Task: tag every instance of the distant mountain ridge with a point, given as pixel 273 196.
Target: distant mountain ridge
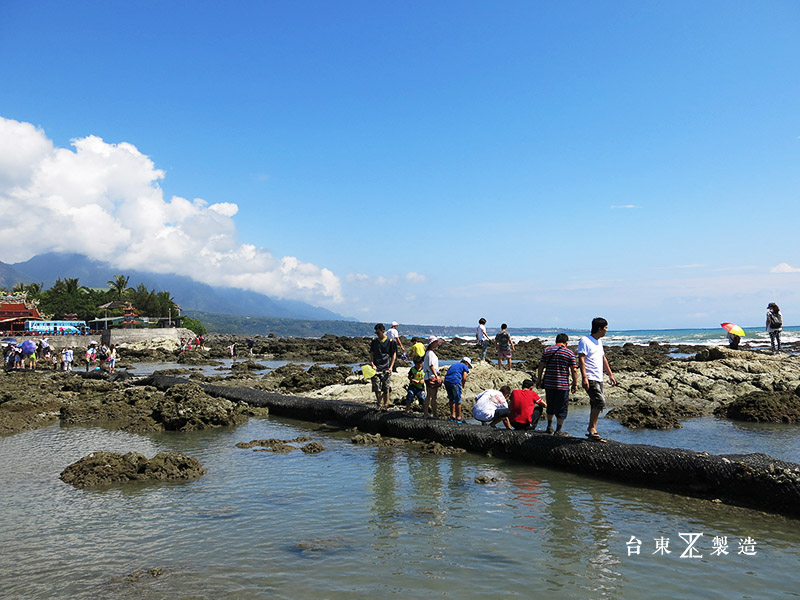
pixel 189 294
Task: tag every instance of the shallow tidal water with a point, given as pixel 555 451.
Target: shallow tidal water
pixel 358 521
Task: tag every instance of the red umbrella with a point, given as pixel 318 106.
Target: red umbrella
pixel 733 328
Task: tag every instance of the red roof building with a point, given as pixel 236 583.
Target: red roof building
pixel 15 309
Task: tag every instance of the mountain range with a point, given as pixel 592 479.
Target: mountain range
pixel 190 295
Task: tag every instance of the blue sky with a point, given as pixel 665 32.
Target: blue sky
pixel 431 162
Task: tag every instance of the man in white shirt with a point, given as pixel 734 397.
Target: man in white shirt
pixel 592 362
pixel 482 337
pixel 394 335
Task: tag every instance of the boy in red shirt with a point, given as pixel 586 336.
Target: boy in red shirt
pixel 526 407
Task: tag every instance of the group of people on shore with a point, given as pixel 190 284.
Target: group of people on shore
pixel 518 409
pixel 21 356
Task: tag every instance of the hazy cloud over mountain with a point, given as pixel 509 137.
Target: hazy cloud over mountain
pixel 104 201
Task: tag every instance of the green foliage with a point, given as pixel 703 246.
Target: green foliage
pixel 67 296
pixel 194 325
pixel 119 286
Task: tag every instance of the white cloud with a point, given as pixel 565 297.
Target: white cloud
pixel 416 277
pixel 104 200
pixel 784 268
pixel 614 206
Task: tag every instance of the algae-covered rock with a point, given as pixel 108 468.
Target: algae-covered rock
pixel 186 407
pixel 765 407
pixel 107 468
pixel 646 415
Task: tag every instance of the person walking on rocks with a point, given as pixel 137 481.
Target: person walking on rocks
pixel 593 362
pixel 505 346
pixel 555 366
pixel 432 380
pixel 483 338
pixel 774 325
pixel 383 353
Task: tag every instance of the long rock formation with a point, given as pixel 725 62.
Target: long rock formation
pixel 753 480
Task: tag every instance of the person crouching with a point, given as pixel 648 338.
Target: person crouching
pixel 526 407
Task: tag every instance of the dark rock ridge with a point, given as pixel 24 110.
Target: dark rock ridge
pixel 644 415
pixel 764 407
pixel 754 480
pixel 100 469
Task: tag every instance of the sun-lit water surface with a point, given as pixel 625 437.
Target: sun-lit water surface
pixel 360 521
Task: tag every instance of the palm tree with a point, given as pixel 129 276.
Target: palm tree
pixel 118 285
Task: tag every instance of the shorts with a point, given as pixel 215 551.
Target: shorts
pixel 381 382
pixel 597 397
pixel 501 413
pixel 557 403
pixel 504 354
pixel 453 392
pixel 413 392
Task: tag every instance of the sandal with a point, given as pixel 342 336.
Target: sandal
pixel 596 437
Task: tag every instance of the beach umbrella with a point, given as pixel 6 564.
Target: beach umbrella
pixel 733 328
pixel 28 347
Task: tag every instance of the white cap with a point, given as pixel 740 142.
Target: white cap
pixel 467 360
pixel 395 323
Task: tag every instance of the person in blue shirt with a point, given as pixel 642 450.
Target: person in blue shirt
pixel 453 383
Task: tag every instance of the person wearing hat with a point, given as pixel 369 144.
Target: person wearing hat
pixel 430 365
pixel 394 335
pixel 453 383
pixel 774 325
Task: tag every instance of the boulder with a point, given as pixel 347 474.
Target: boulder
pixel 765 407
pixel 107 468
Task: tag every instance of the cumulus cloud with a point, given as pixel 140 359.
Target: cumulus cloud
pixel 413 277
pixel 104 200
pixel 784 268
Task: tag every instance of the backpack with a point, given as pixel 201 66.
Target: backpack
pixel 775 321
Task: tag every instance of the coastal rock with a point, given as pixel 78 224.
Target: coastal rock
pixel 764 407
pixel 645 415
pixel 144 409
pixel 198 357
pixel 187 407
pixel 105 468
pixel 248 365
pixel 313 448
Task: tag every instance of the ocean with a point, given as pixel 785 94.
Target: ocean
pixel 755 337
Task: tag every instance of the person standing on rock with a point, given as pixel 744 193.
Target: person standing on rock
pixel 432 380
pixel 383 353
pixel 593 362
pixel 454 382
pixel 482 337
pixel 394 335
pixel 555 366
pixel 774 325
pixel 505 346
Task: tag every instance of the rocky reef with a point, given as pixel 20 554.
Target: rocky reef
pixel 101 469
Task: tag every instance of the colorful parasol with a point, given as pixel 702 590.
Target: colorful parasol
pixel 733 328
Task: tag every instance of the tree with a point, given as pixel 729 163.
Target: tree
pixel 67 296
pixel 194 325
pixel 119 286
